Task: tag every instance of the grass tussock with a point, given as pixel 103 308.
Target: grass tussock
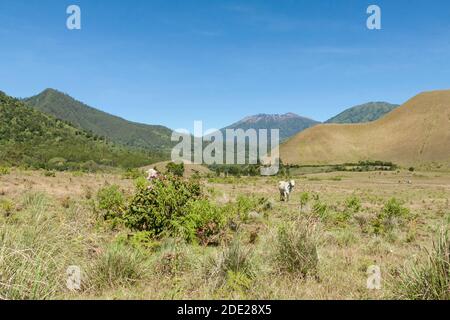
pixel 429 279
pixel 233 268
pixel 35 251
pixel 296 248
pixel 119 265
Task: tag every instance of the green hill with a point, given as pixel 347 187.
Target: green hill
pixel 31 138
pixel 115 129
pixel 364 113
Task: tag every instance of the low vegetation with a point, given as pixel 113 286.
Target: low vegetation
pixel 428 279
pixel 296 250
pixel 201 238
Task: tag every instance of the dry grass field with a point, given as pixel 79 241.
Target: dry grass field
pixel 317 246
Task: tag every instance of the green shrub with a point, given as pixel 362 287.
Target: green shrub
pixel 429 279
pixel 4 171
pixel 140 240
pixel 296 249
pixel 111 201
pixel 49 173
pixel 141 183
pixel 244 205
pixel 175 169
pixel 392 213
pixel 160 206
pixel 353 204
pixel 204 221
pixel 175 207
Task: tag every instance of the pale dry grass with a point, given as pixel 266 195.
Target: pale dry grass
pixel 43 237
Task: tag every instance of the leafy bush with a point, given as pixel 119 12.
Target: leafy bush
pixel 157 208
pixel 204 221
pixel 353 204
pixel 244 205
pixel 111 201
pixel 49 173
pixel 175 169
pixel 4 171
pixel 393 212
pixel 296 248
pixel 429 279
pixel 141 183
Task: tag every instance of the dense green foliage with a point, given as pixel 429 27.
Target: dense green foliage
pixel 31 138
pixel 111 201
pixel 364 113
pixel 155 208
pixel 177 169
pixel 115 129
pixel 393 213
pixel 175 207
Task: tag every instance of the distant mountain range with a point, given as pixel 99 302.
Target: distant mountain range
pixel 156 140
pixel 417 133
pixel 289 124
pixel 364 113
pixel 115 129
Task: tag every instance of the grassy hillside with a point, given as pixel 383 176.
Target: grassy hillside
pixel 417 133
pixel 289 124
pixel 100 123
pixel 31 138
pixel 364 113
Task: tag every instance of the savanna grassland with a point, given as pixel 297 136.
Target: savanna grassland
pixel 317 246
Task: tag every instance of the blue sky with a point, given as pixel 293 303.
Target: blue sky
pixel 172 62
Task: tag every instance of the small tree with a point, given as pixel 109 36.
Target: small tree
pixel 175 169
